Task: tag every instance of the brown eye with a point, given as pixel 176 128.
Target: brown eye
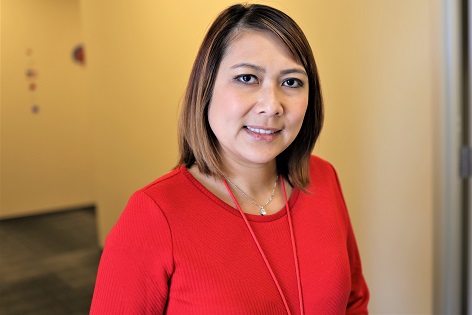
pixel 247 78
pixel 292 83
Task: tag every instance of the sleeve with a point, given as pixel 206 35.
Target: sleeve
pixel 359 296
pixel 136 264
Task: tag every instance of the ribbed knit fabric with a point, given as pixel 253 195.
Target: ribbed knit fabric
pixel 179 249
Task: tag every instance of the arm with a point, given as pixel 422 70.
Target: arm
pixel 136 263
pixel 359 296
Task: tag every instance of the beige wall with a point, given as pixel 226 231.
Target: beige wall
pixel 375 59
pixel 140 53
pixel 377 71
pixel 46 160
pixel 376 65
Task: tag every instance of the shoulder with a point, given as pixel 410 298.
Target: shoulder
pixel 174 193
pixel 143 210
pixel 323 177
pixel 321 169
pixel 169 185
pixel 171 178
pixel 317 162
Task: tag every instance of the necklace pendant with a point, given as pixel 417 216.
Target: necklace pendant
pixel 263 211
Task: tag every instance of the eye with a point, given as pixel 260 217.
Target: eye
pixel 247 78
pixel 292 83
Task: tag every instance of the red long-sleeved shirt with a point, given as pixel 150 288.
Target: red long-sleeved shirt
pixel 179 249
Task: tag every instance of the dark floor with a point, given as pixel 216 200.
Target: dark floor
pixel 48 263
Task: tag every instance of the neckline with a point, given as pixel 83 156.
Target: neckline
pixel 251 217
pixel 261 251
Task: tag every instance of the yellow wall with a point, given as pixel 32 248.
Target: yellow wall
pixel 46 160
pixel 377 70
pixel 140 54
pixel 375 60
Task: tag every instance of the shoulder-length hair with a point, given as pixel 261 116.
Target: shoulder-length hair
pixel 197 142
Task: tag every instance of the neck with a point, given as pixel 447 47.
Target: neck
pixel 253 180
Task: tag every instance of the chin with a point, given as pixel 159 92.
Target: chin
pixel 261 158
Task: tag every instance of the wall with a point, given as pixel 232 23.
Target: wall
pixel 140 58
pixel 376 65
pixel 378 75
pixel 46 161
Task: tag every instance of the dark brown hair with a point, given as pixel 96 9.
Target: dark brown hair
pixel 197 142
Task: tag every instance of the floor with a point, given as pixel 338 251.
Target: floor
pixel 48 263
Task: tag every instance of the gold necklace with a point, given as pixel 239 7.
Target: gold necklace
pixel 262 209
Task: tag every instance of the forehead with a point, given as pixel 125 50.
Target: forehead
pixel 258 45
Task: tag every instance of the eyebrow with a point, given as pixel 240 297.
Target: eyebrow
pixel 248 65
pixel 294 70
pixel 261 69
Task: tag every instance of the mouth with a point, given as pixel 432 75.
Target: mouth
pixel 262 131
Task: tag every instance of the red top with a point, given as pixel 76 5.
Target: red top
pixel 179 249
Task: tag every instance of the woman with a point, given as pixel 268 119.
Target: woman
pixel 248 222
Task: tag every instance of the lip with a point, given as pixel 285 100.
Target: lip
pixel 262 133
pixel 262 130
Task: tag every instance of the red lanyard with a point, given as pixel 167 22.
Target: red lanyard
pixel 294 248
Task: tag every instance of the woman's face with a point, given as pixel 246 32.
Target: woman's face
pixel 259 99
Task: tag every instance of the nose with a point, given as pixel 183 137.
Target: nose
pixel 270 101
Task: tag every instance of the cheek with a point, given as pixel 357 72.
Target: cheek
pixel 299 112
pixel 215 108
pixel 231 105
pixel 212 120
pixel 219 116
